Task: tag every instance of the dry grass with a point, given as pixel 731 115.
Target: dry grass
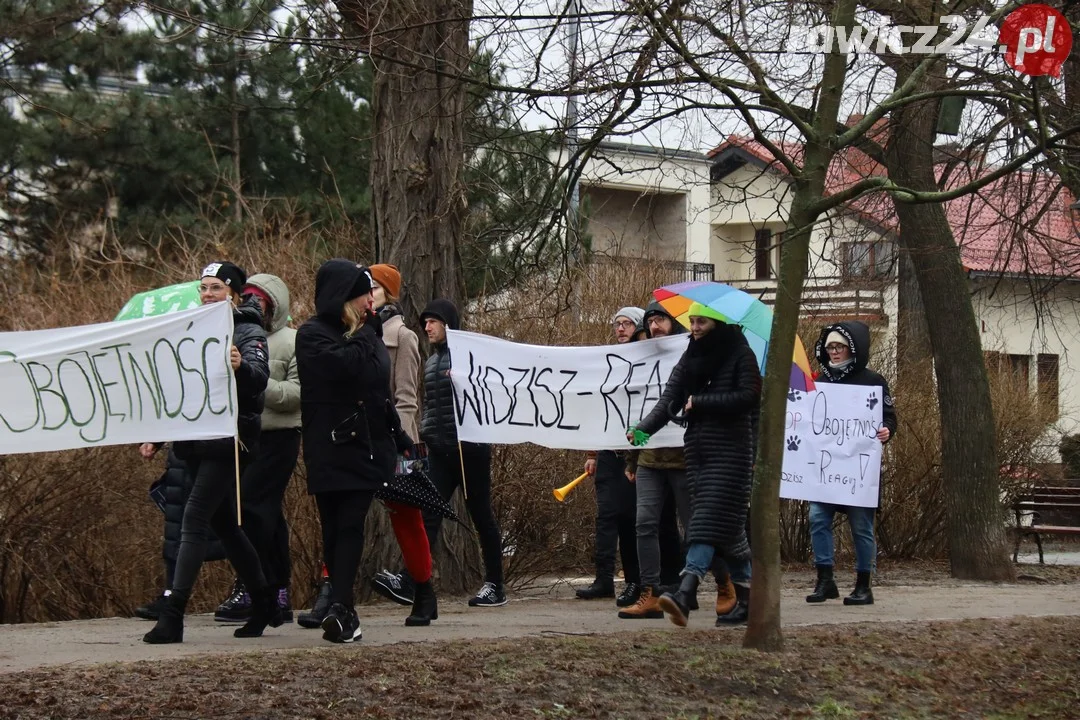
pixel 1020 668
pixel 79 538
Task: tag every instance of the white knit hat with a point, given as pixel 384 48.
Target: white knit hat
pixel 835 337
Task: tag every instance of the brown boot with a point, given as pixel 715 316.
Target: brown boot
pixel 725 597
pixel 647 606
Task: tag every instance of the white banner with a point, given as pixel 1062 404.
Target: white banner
pixel 149 380
pixel 831 450
pixel 576 398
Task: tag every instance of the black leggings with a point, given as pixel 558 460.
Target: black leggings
pixel 212 504
pixel 342 514
pixel 445 470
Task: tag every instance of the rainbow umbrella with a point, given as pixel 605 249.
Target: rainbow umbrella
pixel 738 308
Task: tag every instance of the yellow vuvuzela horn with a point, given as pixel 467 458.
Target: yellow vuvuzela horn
pixel 561 493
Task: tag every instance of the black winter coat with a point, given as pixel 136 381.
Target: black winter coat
pixel 722 376
pixel 858 338
pixel 176 483
pixel 345 393
pixel 437 426
pixel 249 337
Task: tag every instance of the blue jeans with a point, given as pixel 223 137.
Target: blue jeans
pixel 861 520
pixel 699 558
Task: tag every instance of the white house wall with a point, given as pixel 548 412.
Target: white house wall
pixel 675 186
pixel 1009 323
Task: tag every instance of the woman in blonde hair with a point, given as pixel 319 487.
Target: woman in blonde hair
pixel 351 430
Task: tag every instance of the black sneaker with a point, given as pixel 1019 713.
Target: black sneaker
pixel 341 625
pixel 152 609
pixel 284 604
pixel 629 595
pixel 491 595
pixel 237 607
pixel 313 619
pixel 399 588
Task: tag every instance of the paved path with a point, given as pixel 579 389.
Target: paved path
pixel 26 647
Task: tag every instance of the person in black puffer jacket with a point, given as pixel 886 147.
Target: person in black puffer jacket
pixel 452 464
pixel 351 429
pixel 212 502
pixel 843 350
pixel 715 387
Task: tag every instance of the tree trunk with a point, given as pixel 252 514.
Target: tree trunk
pixel 763 630
pixel 913 350
pixel 976 528
pixel 236 176
pixel 419 52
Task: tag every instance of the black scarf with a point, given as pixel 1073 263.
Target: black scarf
pixel 387 311
pixel 705 356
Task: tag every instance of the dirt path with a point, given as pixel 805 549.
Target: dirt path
pixel 550 613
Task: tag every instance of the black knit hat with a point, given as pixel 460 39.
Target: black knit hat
pixel 444 310
pixel 232 275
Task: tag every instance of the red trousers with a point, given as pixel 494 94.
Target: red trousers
pixel 408 525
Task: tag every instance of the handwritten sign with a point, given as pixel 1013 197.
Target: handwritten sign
pixel 831 452
pixel 149 380
pixel 578 398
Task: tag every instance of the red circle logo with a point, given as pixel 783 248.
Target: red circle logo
pixel 1036 39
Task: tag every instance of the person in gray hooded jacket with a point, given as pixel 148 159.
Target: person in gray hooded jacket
pixel 265 480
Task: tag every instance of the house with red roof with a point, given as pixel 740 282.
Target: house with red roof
pixel 728 209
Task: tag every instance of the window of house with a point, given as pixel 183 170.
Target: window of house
pixel 1020 367
pixel 1015 366
pixel 1048 386
pixel 763 242
pixel 867 259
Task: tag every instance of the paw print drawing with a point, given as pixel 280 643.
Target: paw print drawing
pixel 793 442
pixel 794 395
pixel 872 401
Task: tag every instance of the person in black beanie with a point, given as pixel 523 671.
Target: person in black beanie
pixel 211 503
pixel 351 430
pixel 453 464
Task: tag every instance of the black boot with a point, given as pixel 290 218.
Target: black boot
pixel 677 604
pixel 425 606
pixel 826 587
pixel 170 622
pixel 264 611
pixel 152 609
pixel 600 588
pixel 740 612
pixel 313 619
pixel 861 595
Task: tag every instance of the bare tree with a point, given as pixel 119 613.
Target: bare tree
pixel 420 53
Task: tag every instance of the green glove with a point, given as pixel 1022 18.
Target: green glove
pixel 636 437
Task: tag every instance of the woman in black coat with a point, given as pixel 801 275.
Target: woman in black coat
pixel 351 431
pixel 716 385
pixel 211 503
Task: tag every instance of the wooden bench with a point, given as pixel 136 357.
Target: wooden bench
pixel 1039 503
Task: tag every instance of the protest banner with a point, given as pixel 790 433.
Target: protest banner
pixel 576 398
pixel 149 380
pixel 831 452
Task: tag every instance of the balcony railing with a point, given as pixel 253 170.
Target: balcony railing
pixel 666 272
pixel 827 296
